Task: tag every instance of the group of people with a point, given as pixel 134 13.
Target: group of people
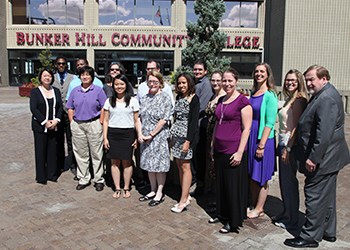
pixel 211 129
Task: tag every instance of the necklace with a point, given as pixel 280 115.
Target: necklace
pixel 222 111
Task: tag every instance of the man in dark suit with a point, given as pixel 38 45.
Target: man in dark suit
pixel 320 151
pixel 62 81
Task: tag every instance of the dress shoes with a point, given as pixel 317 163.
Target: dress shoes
pixel 329 238
pixel 146 198
pixel 99 187
pixel 154 202
pixel 300 242
pixel 82 186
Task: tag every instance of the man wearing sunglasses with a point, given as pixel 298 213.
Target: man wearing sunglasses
pixel 62 82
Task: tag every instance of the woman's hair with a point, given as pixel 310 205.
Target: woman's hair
pixel 216 72
pixel 120 65
pixel 232 71
pixel 158 75
pixel 108 79
pixel 50 72
pixel 190 83
pixel 88 69
pixel 301 90
pixel 127 96
pixel 270 80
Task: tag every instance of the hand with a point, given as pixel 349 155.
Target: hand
pixel 140 138
pixel 185 147
pixel 106 144
pixel 50 125
pixel 147 138
pixel 285 157
pixel 134 144
pixel 310 165
pixel 236 159
pixel 259 153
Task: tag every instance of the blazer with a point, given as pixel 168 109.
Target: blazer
pixel 63 88
pixel 39 109
pixel 320 133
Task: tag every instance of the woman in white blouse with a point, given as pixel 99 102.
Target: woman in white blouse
pixel 121 112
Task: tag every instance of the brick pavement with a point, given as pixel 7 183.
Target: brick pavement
pixel 56 216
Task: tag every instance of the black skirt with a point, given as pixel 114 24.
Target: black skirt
pixel 120 142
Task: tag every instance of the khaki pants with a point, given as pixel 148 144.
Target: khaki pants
pixel 87 138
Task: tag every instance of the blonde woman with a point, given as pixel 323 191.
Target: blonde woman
pixel 294 91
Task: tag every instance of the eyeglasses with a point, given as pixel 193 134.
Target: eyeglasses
pixel 61 63
pixel 155 82
pixel 291 80
pixel 115 69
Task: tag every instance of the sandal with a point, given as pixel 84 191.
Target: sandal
pixel 117 194
pixel 213 220
pixel 255 214
pixel 126 193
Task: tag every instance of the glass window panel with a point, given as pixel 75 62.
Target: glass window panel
pixel 240 14
pixel 164 8
pixel 190 15
pixel 107 10
pixel 125 12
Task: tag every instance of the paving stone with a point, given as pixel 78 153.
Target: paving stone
pixel 56 216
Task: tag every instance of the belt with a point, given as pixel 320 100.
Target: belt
pixel 90 120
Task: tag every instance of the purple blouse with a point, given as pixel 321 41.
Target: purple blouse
pixel 229 125
pixel 86 104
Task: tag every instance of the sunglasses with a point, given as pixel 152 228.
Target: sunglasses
pixel 61 63
pixel 115 69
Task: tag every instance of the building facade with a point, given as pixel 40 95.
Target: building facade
pixel 132 32
pixel 302 33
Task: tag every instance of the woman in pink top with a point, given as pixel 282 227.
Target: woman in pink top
pixel 231 132
pixel 296 98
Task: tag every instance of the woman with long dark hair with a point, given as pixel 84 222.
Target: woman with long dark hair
pixel 121 112
pixel 183 133
pixel 261 144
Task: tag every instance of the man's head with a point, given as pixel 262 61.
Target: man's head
pixel 61 64
pixel 315 78
pixel 199 69
pixel 153 65
pixel 81 63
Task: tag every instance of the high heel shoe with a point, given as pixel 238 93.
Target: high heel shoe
pixel 179 209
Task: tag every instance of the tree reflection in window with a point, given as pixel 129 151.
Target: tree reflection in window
pixel 134 12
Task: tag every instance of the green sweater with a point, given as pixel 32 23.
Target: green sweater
pixel 268 113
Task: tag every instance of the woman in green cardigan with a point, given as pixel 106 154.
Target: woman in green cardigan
pixel 261 145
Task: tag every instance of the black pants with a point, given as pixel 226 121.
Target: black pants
pixel 64 128
pixel 45 156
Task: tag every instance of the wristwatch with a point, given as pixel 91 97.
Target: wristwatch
pixel 288 149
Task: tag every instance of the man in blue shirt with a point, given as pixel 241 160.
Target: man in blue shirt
pixel 76 81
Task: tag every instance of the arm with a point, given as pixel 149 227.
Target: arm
pixel 326 118
pixel 59 109
pixel 34 102
pixel 136 115
pixel 70 114
pixel 192 123
pixel 139 129
pixel 105 129
pixel 299 106
pixel 271 113
pixel 247 117
pixel 155 131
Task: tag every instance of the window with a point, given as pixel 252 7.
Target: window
pixel 137 12
pixel 244 63
pixel 61 12
pixel 242 14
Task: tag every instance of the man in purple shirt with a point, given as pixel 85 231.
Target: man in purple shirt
pixel 85 105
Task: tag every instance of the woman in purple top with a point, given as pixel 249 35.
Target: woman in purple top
pixel 84 105
pixel 231 133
